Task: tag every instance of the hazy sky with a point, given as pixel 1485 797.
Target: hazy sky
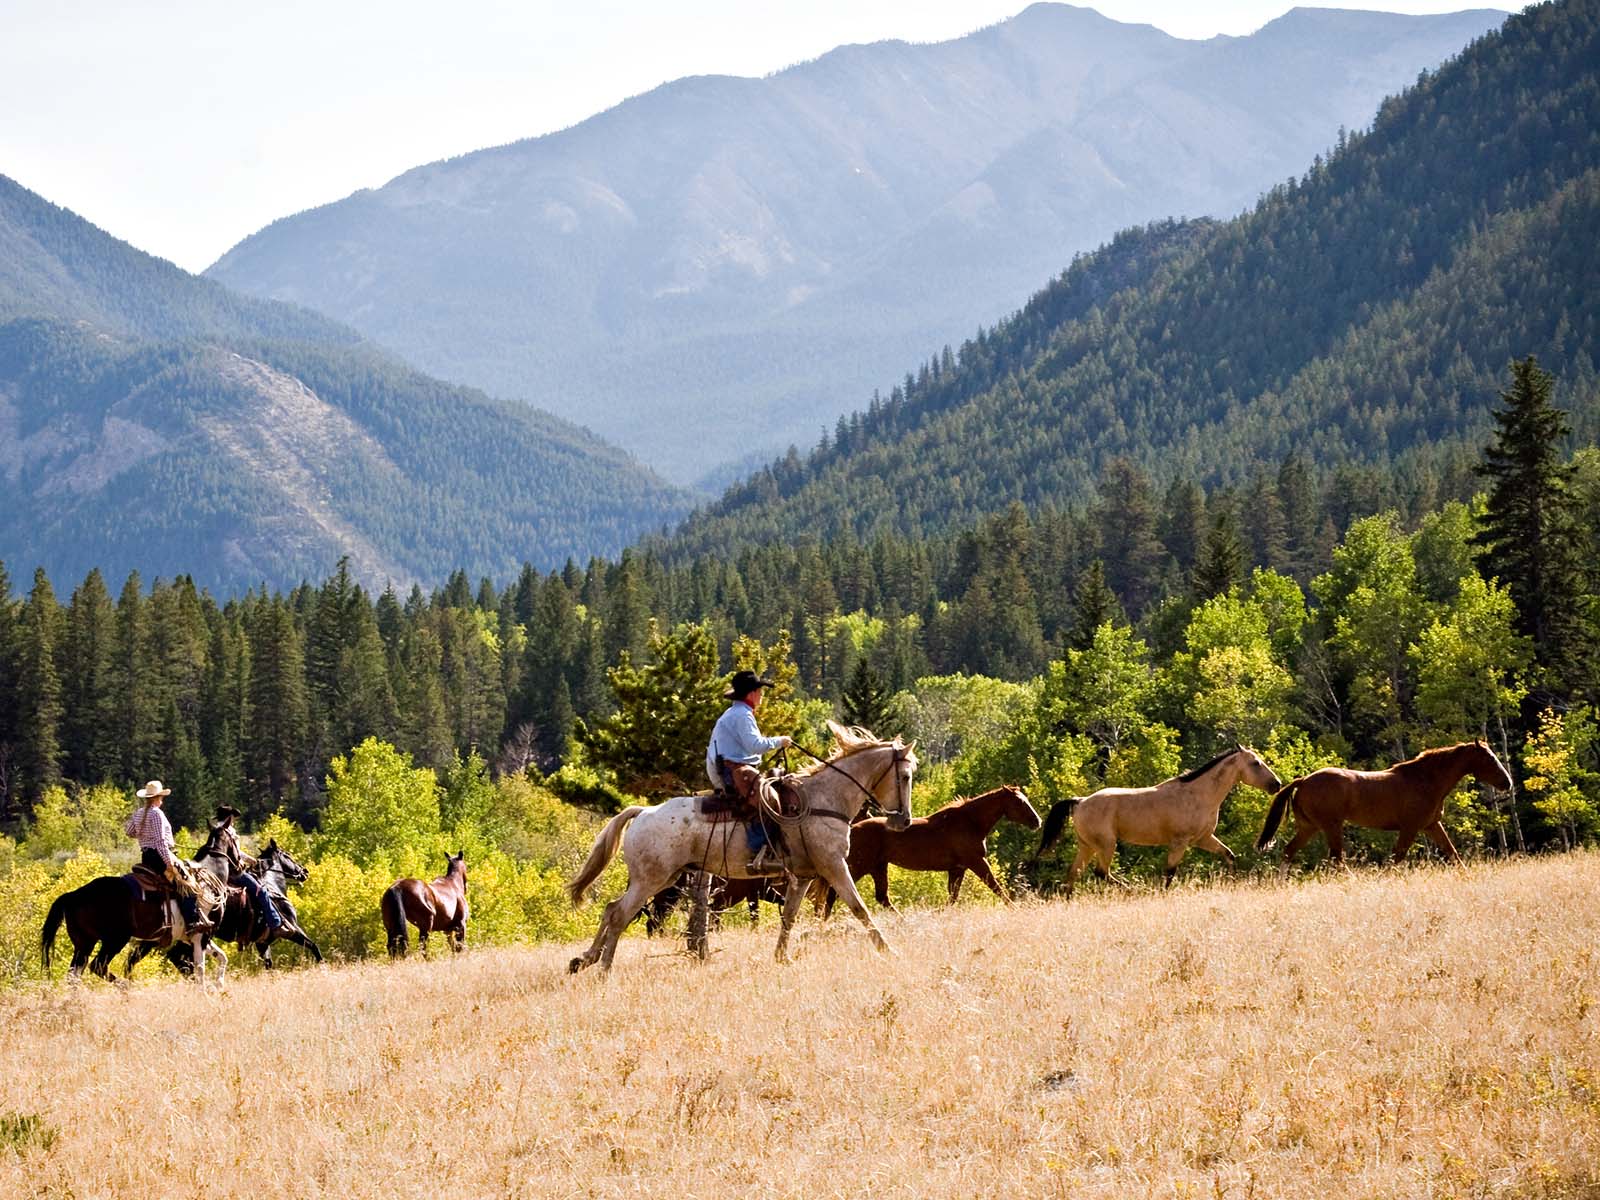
pixel 184 125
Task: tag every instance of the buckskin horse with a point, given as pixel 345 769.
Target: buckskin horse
pixel 441 905
pixel 1408 797
pixel 952 840
pixel 1177 813
pixel 665 838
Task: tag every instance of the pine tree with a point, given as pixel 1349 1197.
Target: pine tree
pixel 1528 538
pixel 1128 545
pixel 39 744
pixel 1183 522
pixel 1094 603
pixel 10 697
pixel 278 702
pixel 91 752
pixel 133 720
pixel 866 702
pixel 1222 560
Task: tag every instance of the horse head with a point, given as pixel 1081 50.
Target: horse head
pixel 456 865
pixel 891 784
pixel 1256 773
pixel 275 856
pixel 1018 808
pixel 1486 767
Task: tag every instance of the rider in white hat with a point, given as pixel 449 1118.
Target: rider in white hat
pixel 150 828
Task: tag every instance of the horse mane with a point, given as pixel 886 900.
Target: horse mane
pixel 852 739
pixel 1191 776
pixel 1433 752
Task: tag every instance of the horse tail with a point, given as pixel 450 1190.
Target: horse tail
pixel 393 908
pixel 605 846
pixel 1054 822
pixel 1280 805
pixel 52 922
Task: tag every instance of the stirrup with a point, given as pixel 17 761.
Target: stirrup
pixel 766 862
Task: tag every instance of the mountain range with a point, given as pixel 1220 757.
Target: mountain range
pixel 714 270
pixel 154 420
pixel 1365 312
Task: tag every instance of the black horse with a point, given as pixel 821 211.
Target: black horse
pixel 111 911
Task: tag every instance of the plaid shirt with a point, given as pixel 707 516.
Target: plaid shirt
pixel 149 827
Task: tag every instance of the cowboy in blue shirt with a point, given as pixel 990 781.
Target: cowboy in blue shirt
pixel 734 755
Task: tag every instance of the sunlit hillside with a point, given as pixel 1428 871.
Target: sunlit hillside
pixel 1422 1032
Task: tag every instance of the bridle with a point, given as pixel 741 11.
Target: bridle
pixel 870 790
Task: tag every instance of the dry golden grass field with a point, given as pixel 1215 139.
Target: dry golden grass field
pixel 1379 1033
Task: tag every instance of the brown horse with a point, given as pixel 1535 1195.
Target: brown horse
pixel 440 905
pixel 1177 813
pixel 952 840
pixel 1408 797
pixel 725 894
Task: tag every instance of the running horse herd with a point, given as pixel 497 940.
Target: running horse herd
pixel 827 845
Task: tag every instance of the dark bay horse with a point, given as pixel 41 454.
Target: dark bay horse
pixel 440 905
pixel 1408 797
pixel 952 840
pixel 110 912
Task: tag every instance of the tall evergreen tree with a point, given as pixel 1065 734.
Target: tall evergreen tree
pixel 1527 538
pixel 1094 603
pixel 865 701
pixel 10 697
pixel 1222 558
pixel 1128 546
pixel 90 748
pixel 39 744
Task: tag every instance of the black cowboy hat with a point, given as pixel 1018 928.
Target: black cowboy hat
pixel 743 683
pixel 224 811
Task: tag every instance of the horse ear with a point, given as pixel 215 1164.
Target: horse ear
pixel 272 844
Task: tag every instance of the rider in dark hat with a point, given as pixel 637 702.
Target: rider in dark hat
pixel 734 755
pixel 260 900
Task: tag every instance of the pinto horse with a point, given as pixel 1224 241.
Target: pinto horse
pixel 440 905
pixel 952 840
pixel 1408 797
pixel 1177 813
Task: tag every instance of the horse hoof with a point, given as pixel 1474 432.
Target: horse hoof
pixel 575 966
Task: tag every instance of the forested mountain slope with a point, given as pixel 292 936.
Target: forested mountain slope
pixel 1364 312
pixel 749 258
pixel 151 420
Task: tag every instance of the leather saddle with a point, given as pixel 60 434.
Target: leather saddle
pixel 150 884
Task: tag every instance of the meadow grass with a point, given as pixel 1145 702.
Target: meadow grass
pixel 1377 1033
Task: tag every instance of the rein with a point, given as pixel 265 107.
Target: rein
pixel 868 792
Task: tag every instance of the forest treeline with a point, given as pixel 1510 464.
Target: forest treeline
pixel 1330 616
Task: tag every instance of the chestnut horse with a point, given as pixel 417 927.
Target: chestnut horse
pixel 1408 797
pixel 1177 813
pixel 951 840
pixel 440 905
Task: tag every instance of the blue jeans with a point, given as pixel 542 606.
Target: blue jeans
pixel 262 901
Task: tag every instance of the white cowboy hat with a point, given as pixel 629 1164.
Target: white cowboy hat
pixel 153 789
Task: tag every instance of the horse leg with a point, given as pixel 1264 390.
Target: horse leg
pixel 955 877
pixel 222 962
pixel 980 868
pixel 108 950
pixel 1174 857
pixel 1402 844
pixel 1075 871
pixel 1304 831
pixel 838 876
pixel 880 889
pixel 1440 837
pixel 794 894
pixel 617 915
pixel 1211 843
pixel 1335 834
